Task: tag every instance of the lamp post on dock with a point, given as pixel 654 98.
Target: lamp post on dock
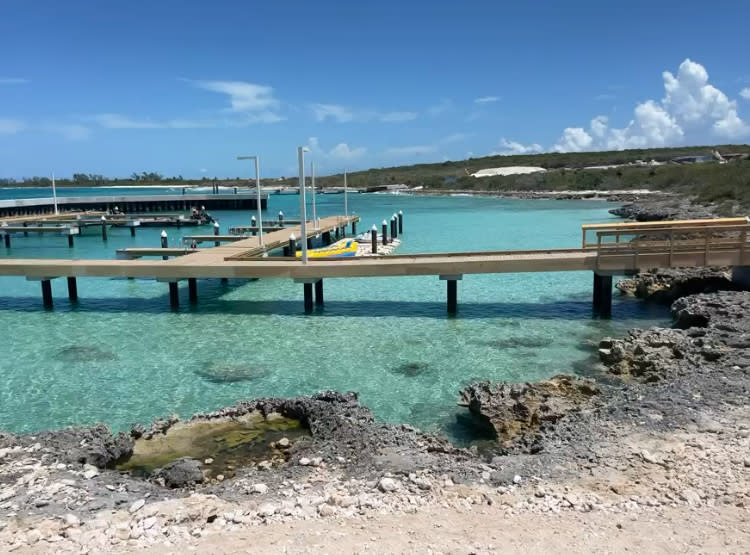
pixel 312 183
pixel 257 191
pixel 302 204
pixel 54 194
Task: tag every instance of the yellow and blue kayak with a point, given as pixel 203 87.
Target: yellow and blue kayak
pixel 346 248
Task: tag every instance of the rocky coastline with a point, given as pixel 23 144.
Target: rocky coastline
pixel 661 424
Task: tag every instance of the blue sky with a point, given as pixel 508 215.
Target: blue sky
pixel 182 87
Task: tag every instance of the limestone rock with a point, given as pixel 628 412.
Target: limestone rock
pixel 180 473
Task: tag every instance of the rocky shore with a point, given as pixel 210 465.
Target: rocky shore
pixel 660 430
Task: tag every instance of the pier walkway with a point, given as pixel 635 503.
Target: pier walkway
pixel 624 249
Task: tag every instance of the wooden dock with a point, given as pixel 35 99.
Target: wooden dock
pixel 698 243
pixel 133 203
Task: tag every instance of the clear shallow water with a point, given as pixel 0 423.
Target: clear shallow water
pixel 121 356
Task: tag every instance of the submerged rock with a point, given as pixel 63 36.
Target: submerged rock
pixel 180 473
pixel 226 372
pixel 84 353
pixel 518 413
pixel 516 342
pixel 411 369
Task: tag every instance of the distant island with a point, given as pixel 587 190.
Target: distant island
pixel 711 174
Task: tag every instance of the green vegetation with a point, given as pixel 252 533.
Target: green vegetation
pixel 725 184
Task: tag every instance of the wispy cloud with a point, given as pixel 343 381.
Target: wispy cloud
pixel 486 99
pixel 13 81
pixel 345 114
pixel 416 150
pixel 11 126
pixel 444 105
pixel 120 121
pixel 513 147
pixel 745 93
pixel 605 96
pixel 70 131
pixel 398 116
pixel 243 96
pixel 335 112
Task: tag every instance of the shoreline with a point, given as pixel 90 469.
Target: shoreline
pixel 665 433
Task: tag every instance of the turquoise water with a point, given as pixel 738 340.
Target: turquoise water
pixel 121 356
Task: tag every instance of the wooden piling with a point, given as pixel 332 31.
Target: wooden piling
pixel 319 293
pixel 72 289
pixel 25 233
pixel 7 240
pixel 216 232
pixel 385 232
pixel 308 288
pixel 164 243
pixel 174 295
pixel 47 293
pixel 374 239
pixel 104 229
pixel 452 296
pixel 70 240
pixel 193 290
pixel 354 228
pixel 132 231
pixel 400 222
pixel 602 295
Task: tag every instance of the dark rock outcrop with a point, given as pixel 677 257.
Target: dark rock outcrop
pixel 97 445
pixel 180 473
pixel 667 285
pixel 666 208
pixel 712 332
pixel 519 413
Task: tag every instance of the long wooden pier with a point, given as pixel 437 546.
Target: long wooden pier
pixel 660 244
pixel 133 203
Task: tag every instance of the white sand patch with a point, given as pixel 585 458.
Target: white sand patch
pixel 507 170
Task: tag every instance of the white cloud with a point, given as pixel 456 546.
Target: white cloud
pixel 11 126
pixel 692 111
pixel 486 99
pixel 13 81
pixel 343 151
pixel 243 96
pixel 203 170
pixel 605 96
pixel 745 93
pixel 335 112
pixel 574 139
pixel 120 121
pixel 514 147
pixel 398 116
pixel 411 150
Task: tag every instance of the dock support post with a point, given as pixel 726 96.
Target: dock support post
pixel 603 295
pixel 338 232
pixel 132 231
pixel 374 239
pixel 385 232
pixel 394 227
pixel 193 290
pixel 308 298
pixel 72 289
pixel 291 248
pixel 326 238
pixel 7 240
pixel 452 281
pixel 104 229
pixel 319 293
pixel 70 240
pixel 254 223
pixel 400 222
pixel 164 243
pixel 47 293
pixel 216 232
pixel 354 228
pixel 174 295
pixel 281 219
pixel 25 233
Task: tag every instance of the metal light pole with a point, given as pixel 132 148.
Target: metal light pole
pixel 257 192
pixel 302 204
pixel 346 206
pixel 54 193
pixel 312 179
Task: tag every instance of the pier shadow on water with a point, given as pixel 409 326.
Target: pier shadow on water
pixel 552 310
